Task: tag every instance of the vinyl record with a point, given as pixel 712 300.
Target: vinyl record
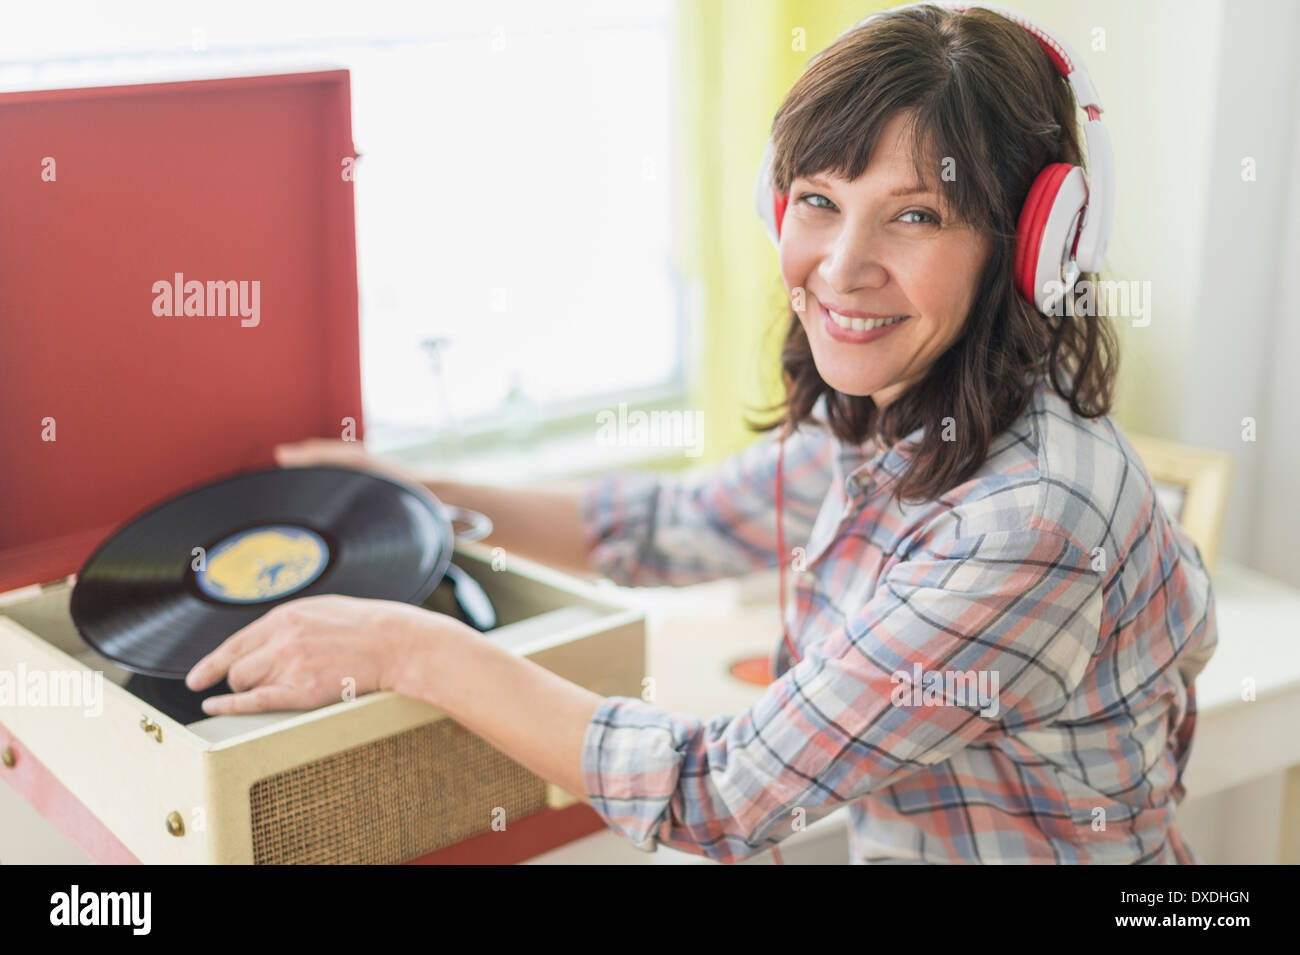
pixel 170 586
pixel 173 697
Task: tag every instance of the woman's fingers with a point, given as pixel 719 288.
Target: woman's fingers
pixel 319 451
pixel 250 670
pixel 348 454
pixel 217 664
pixel 273 697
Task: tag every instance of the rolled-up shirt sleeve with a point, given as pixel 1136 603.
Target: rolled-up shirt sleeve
pixel 646 529
pixel 1021 607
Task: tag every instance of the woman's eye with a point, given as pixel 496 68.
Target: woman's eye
pixel 808 197
pixel 818 201
pixel 926 217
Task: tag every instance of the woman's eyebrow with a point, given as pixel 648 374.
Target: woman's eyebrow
pixel 915 189
pixel 910 189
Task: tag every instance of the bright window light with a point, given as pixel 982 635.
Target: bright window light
pixel 513 195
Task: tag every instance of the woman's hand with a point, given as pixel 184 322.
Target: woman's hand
pixel 315 651
pixel 347 454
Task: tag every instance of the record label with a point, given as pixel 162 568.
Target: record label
pixel 262 563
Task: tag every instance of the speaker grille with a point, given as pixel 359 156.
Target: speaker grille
pixel 390 800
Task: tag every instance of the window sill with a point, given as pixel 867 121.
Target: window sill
pixel 559 456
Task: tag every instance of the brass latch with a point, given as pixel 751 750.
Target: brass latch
pixel 149 726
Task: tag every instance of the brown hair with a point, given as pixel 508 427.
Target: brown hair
pixel 979 89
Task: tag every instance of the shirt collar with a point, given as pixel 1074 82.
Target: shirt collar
pixel 867 465
pixel 861 466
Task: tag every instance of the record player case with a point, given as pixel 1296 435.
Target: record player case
pixel 109 408
pixel 381 779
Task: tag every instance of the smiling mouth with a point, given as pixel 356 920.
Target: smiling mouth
pixel 857 331
pixel 861 324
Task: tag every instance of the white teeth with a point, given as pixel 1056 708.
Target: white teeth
pixel 862 324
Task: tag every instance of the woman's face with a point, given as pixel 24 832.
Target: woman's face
pixel 871 250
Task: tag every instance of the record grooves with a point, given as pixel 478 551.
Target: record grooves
pixel 173 697
pixel 168 587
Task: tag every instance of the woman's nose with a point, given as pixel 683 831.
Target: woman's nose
pixel 852 261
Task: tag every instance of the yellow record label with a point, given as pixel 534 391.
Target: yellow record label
pixel 263 563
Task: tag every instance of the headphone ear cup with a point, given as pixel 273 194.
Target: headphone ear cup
pixel 1047 228
pixel 768 203
pixel 779 201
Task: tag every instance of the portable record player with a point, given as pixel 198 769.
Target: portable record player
pixel 178 294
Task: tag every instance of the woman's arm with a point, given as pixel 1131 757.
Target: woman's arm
pixel 532 715
pixel 638 528
pixel 1023 607
pixel 654 529
pixel 540 524
pixel 1015 613
pixel 329 648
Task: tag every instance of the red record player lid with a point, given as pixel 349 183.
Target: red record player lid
pixel 178 294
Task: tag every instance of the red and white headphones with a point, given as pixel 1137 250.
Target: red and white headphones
pixel 1065 223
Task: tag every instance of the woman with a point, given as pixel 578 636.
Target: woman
pixel 996 626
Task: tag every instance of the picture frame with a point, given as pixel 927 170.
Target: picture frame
pixel 1192 484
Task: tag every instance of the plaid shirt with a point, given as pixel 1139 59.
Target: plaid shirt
pixel 1053 579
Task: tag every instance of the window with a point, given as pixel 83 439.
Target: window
pixel 513 195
